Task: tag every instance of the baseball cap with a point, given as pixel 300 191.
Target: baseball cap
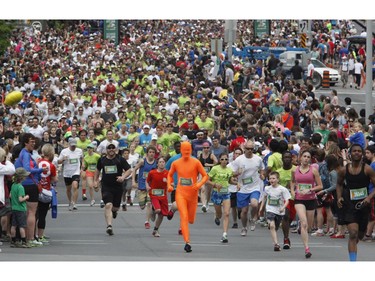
pixel 154 137
pixel 111 145
pixel 309 99
pixel 277 99
pixel 146 127
pixel 72 142
pixel 91 145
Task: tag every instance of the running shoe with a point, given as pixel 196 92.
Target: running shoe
pixel 43 240
pixel 70 208
pixel 224 239
pixel 102 204
pixel 286 244
pixel 92 203
pixel 156 233
pixel 367 238
pixel 235 225
pixel 180 231
pixel 124 207
pixel 337 236
pixel 109 230
pixel 204 210
pixel 317 233
pixel 244 231
pixel 114 214
pixel 170 214
pixel 84 197
pixel 147 225
pixel 35 243
pixel 15 244
pixel 307 253
pixel 277 248
pixel 187 248
pixel 252 225
pixel 24 245
pixel 217 221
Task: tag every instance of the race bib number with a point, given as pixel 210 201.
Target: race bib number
pixel 273 201
pixel 248 180
pixel 186 182
pixel 302 186
pixel 157 192
pixel 73 161
pixel 145 174
pixel 110 169
pixel 358 194
pixel 92 167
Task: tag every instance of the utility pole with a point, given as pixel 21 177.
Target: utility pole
pixel 368 87
pixel 230 35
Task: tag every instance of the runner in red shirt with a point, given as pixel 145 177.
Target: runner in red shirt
pixel 156 185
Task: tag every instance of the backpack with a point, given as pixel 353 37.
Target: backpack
pixel 324 174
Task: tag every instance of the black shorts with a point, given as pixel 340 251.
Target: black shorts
pixel 112 195
pixel 19 218
pixel 274 217
pixel 309 204
pixel 348 214
pixel 69 181
pixel 233 199
pixel 33 192
pixel 173 195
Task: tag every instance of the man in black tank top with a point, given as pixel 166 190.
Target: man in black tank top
pixel 353 198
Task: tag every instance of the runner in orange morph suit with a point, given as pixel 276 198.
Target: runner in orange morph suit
pixel 187 169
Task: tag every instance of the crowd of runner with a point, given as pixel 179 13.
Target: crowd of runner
pixel 87 100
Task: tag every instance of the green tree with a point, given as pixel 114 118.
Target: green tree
pixel 6 28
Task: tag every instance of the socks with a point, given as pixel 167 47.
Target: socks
pixel 352 256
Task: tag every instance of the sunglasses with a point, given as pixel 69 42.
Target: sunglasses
pixel 111 147
pixel 224 159
pixel 206 148
pixel 249 148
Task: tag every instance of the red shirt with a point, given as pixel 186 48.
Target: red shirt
pixel 236 143
pixel 290 122
pixel 45 180
pixel 158 183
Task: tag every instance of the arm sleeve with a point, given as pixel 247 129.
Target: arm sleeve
pixel 332 182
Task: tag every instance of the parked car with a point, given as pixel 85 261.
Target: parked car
pixel 319 67
pixel 288 58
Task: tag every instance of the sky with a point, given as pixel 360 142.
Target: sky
pixel 192 9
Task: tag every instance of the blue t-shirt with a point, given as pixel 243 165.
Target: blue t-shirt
pixel 371 185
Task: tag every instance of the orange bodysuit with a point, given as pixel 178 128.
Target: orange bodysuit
pixel 188 169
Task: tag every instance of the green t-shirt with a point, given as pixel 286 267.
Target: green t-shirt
pixel 16 191
pixel 90 161
pixel 275 161
pixel 221 176
pixel 83 144
pixel 324 134
pixel 168 140
pixel 132 136
pixel 182 100
pixel 286 176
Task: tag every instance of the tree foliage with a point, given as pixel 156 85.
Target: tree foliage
pixel 6 29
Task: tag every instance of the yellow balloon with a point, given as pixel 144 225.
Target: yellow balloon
pixel 13 98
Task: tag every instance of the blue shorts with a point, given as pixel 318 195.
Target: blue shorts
pixel 218 198
pixel 243 199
